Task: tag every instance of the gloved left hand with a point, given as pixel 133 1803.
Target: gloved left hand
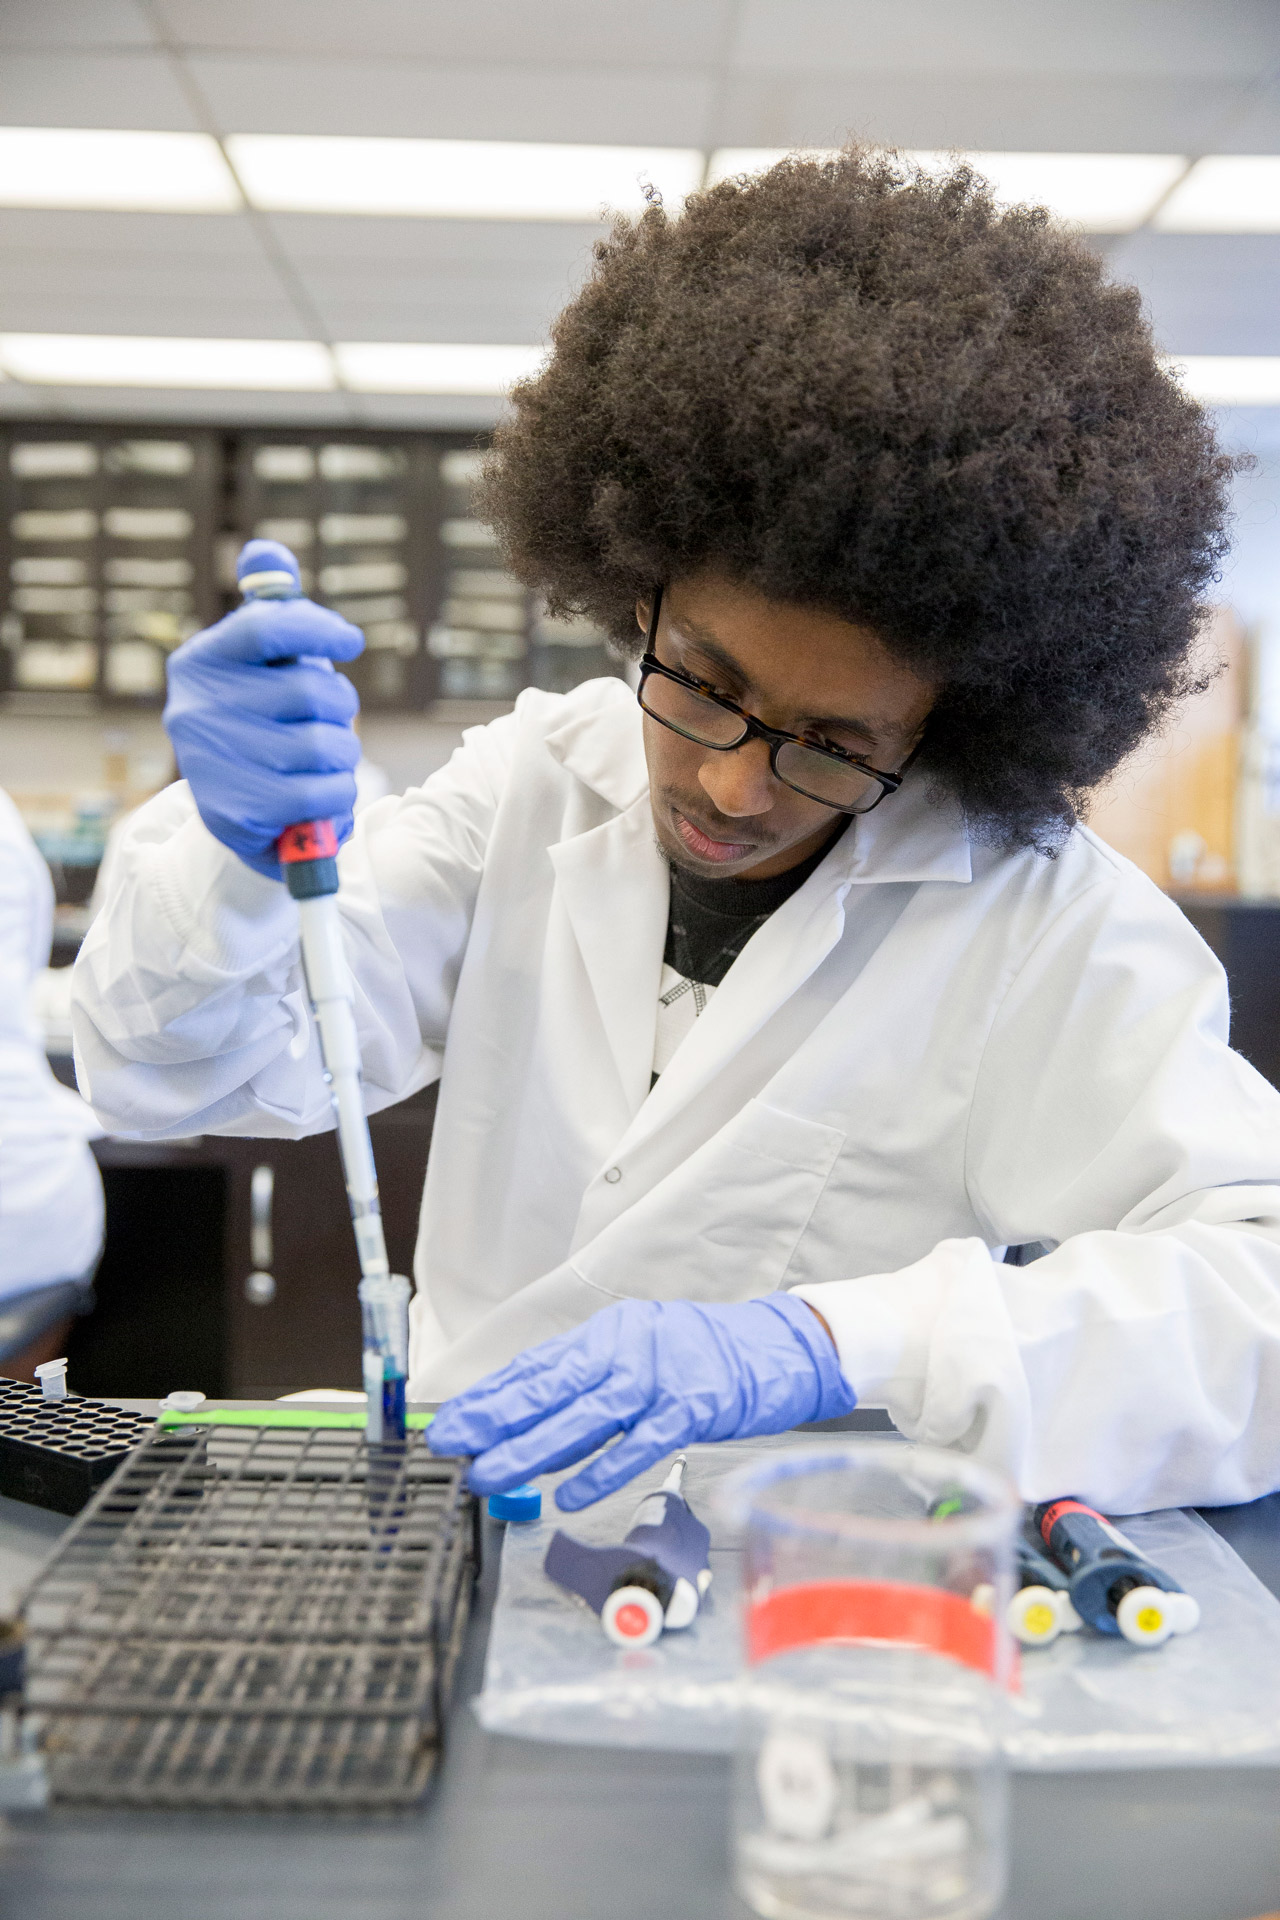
pixel 661 1372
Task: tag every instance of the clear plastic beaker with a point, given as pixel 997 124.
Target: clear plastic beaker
pixel 870 1779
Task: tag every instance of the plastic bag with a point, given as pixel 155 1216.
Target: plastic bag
pixel 1208 1697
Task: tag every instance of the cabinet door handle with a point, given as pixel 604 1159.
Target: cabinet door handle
pixel 260 1287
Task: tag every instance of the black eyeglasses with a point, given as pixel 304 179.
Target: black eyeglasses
pixel 688 707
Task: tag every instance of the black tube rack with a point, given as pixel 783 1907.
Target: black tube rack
pixel 57 1453
pixel 254 1617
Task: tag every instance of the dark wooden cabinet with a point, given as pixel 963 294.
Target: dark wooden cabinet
pixel 173 1305
pixel 118 540
pixel 1245 935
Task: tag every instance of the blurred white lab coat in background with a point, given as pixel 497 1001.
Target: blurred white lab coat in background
pixel 933 1051
pixel 51 1209
pixel 50 998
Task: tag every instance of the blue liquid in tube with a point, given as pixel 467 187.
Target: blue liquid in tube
pixel 384 1310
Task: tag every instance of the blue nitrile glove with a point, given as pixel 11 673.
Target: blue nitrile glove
pixel 661 1372
pixel 264 747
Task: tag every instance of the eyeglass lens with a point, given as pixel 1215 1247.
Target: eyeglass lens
pixel 818 776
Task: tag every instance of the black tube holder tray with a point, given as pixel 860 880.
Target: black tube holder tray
pixel 57 1453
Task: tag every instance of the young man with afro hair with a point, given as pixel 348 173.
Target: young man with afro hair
pixel 796 1042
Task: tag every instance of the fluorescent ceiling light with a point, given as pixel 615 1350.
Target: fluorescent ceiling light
pixel 147 172
pixel 1227 193
pixel 61 359
pixel 459 179
pixel 1230 379
pixel 395 367
pixel 103 360
pixel 726 162
pixel 1101 192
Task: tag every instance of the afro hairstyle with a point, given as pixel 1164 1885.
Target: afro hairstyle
pixel 858 386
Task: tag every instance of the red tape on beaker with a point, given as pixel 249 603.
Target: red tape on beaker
pixel 875 1610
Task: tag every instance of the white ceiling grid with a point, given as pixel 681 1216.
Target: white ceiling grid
pixel 1156 76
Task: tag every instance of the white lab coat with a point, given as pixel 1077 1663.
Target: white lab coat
pixel 51 1212
pixel 931 1051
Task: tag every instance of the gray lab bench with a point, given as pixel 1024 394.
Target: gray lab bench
pixel 539 1832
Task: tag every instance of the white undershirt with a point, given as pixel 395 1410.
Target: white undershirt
pixel 680 1002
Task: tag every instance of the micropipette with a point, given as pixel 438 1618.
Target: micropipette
pixel 1113 1586
pixel 655 1580
pixel 308 854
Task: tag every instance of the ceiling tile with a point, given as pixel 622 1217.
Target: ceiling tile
pixel 224 238
pixel 1206 292
pixel 138 309
pixel 1140 37
pixel 457 307
pixel 195 406
pixel 92 90
pixel 70 23
pixel 643 106
pixel 465 412
pixel 178 279
pixel 1034 112
pixel 1256 126
pixel 436 279
pixel 501 32
pixel 139 274
pixel 361 246
pixel 454 313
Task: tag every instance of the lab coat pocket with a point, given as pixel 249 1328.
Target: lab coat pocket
pixel 725 1223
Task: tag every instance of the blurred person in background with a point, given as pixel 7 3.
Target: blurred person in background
pixel 51 1204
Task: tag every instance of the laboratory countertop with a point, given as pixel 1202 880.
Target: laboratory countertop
pixel 548 1832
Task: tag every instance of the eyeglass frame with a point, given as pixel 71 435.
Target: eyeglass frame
pixel 756 729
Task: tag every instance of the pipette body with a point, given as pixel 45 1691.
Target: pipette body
pixel 308 853
pixel 1114 1588
pixel 1040 1608
pixel 655 1580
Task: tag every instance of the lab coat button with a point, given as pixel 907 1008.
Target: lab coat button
pixel 613 1176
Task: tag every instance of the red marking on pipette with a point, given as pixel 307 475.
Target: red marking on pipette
pixel 308 840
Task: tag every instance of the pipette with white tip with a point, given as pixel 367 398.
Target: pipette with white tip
pixel 308 855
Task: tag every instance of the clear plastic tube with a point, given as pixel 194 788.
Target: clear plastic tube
pixel 332 997
pixel 384 1311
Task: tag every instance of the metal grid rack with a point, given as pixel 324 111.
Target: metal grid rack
pixel 254 1617
pixel 57 1453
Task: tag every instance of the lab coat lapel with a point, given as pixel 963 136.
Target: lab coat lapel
pixel 923 839
pixel 774 964
pixel 613 885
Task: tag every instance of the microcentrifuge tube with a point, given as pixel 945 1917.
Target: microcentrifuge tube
pixel 52 1375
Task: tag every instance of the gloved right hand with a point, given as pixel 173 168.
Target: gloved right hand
pixel 659 1372
pixel 264 746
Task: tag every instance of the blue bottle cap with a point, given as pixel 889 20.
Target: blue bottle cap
pixel 517 1503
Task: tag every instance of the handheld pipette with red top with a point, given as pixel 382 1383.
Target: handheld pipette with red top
pixel 308 853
